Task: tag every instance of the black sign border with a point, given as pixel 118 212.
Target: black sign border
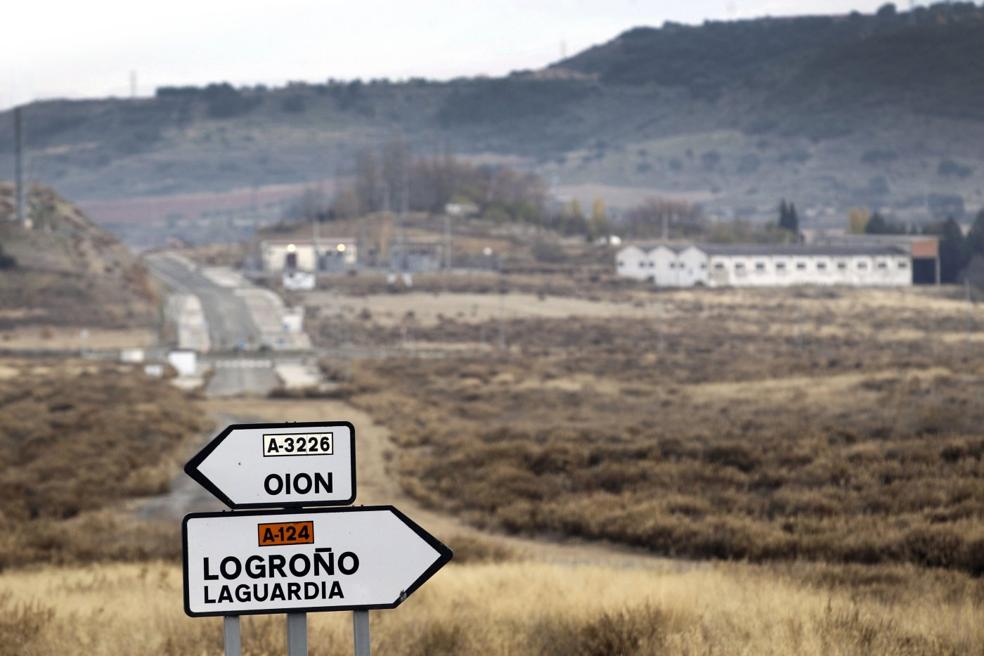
pixel 445 556
pixel 191 467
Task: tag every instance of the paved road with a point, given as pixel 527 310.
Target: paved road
pixel 242 376
pixel 239 319
pixel 230 323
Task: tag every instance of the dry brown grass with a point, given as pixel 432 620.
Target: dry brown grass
pixel 519 608
pixel 69 271
pixel 60 338
pixel 79 437
pixel 735 427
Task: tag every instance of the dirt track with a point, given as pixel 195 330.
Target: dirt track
pixel 377 486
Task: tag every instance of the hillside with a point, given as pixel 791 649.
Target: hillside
pixel 835 112
pixel 66 271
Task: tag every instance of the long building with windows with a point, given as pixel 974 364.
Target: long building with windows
pixel 766 265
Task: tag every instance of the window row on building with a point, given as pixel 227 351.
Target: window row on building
pixel 747 265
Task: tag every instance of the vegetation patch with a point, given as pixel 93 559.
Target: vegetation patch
pixel 80 438
pixel 762 427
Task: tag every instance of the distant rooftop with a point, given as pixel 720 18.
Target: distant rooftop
pixel 785 250
pixel 831 250
pixel 327 239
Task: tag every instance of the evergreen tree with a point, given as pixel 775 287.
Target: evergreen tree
pixel 953 249
pixel 793 223
pixel 975 238
pixel 6 261
pixel 788 219
pixel 877 225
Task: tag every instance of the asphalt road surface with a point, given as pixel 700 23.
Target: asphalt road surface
pixel 230 326
pixel 242 376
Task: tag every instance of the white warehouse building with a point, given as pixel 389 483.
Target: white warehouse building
pixel 766 265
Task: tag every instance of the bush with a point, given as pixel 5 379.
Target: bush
pixel 632 631
pixel 951 168
pixel 742 436
pixel 22 625
pixel 72 444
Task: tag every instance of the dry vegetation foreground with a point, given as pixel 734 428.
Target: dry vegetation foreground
pixel 76 439
pixel 519 608
pixel 833 437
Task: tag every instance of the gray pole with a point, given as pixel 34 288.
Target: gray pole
pixel 970 308
pixel 360 629
pixel 18 165
pixel 233 641
pixel 297 634
pixel 447 239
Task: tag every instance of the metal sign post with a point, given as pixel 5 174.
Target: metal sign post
pixel 297 634
pixel 360 629
pixel 289 557
pixel 231 635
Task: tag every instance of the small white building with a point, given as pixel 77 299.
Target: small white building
pixel 766 265
pixel 326 254
pixel 634 261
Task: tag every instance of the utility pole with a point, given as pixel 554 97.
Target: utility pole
pixel 447 239
pixel 18 165
pixel 387 222
pixel 316 227
pixel 970 308
pixel 404 206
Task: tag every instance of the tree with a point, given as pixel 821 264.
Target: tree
pixel 6 261
pixel 788 218
pixel 346 204
pixel 953 249
pixel 575 210
pixel 599 220
pixel 395 171
pixel 857 221
pixel 975 238
pixel 886 10
pixel 877 225
pixel 368 182
pixel 678 217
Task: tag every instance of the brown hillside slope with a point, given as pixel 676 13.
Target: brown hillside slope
pixel 68 271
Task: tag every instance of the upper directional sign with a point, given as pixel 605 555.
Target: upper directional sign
pixel 279 465
pixel 308 560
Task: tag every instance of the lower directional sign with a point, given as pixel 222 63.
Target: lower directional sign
pixel 299 561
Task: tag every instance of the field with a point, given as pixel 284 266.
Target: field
pixel 521 608
pixel 67 272
pixel 819 425
pixel 619 471
pixel 77 438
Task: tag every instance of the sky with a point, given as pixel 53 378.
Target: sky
pixel 78 49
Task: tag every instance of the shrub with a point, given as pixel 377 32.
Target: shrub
pixel 628 632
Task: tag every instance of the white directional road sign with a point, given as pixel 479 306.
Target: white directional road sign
pixel 279 465
pixel 299 561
